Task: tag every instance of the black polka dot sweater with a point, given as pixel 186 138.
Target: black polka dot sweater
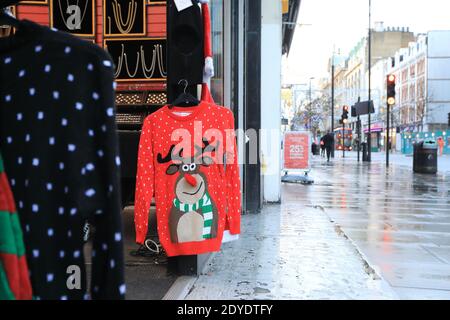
pixel 59 141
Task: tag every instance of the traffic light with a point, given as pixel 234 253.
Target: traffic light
pixel 391 81
pixel 345 111
pixel 449 119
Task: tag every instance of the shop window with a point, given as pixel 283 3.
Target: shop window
pixel 217 24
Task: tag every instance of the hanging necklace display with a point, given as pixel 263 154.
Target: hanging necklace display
pixel 150 70
pixel 128 69
pixel 75 17
pixel 156 56
pixel 124 18
pixel 149 64
pixel 131 17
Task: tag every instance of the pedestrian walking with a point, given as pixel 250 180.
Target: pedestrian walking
pixel 322 147
pixel 441 145
pixel 328 140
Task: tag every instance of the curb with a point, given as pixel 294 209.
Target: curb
pixel 185 284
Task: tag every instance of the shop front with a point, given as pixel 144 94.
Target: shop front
pixel 142 39
pixel 441 137
pixel 375 136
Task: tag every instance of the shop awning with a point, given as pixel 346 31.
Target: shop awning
pixel 289 22
pixel 374 129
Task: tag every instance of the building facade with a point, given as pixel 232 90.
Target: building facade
pixel 351 78
pixel 423 79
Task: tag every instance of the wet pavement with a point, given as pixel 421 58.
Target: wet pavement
pixel 400 221
pixel 290 251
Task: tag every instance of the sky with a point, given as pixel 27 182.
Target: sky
pixel 340 24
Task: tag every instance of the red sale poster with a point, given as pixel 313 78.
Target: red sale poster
pixel 296 150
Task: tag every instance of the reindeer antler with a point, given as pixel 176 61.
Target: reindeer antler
pixel 207 144
pixel 170 155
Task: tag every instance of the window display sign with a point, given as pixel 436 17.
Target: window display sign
pixel 138 59
pixel 297 146
pixel 124 17
pixel 73 16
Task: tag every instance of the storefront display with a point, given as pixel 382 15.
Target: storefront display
pixel 138 59
pixel 134 34
pixel 124 18
pixel 59 143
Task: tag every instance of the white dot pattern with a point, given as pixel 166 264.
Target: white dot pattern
pixel 59 119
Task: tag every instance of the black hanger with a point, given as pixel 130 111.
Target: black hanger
pixel 185 99
pixel 6 19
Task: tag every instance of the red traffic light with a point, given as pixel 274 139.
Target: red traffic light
pixel 346 108
pixel 392 78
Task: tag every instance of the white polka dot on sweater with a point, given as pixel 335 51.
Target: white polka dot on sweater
pixel 71 147
pixel 79 106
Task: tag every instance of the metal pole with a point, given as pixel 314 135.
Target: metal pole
pixel 358 129
pixel 369 142
pixel 343 138
pixel 388 134
pixel 332 102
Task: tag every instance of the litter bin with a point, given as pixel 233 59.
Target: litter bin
pixel 365 152
pixel 425 157
pixel 315 149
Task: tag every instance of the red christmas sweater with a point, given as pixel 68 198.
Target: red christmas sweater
pixel 188 163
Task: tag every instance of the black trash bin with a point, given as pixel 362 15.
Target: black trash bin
pixel 365 152
pixel 425 157
pixel 315 149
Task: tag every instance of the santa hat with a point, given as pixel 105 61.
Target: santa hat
pixel 208 71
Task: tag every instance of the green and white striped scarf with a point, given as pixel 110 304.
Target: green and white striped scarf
pixel 205 205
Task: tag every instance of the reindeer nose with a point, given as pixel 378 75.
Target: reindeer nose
pixel 191 180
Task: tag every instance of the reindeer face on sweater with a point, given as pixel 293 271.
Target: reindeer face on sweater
pixel 191 185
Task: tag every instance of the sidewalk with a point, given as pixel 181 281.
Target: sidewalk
pixel 289 251
pixel 398 219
